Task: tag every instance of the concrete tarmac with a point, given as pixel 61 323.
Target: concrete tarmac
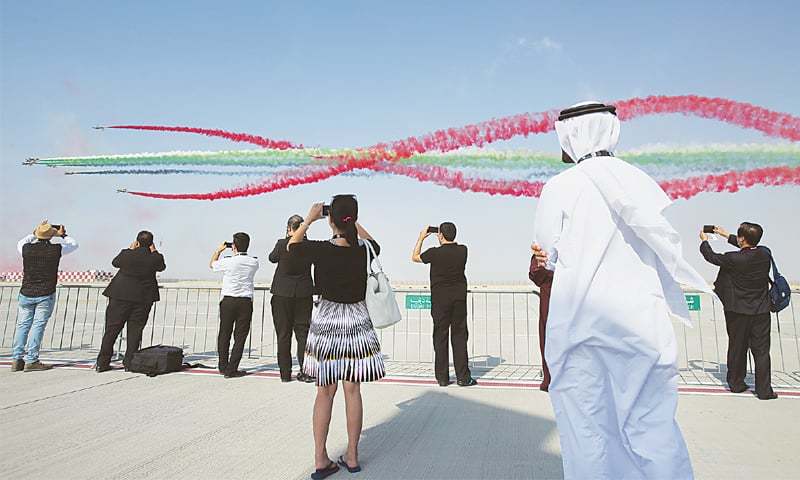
pixel 77 424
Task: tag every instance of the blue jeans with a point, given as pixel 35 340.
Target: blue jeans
pixel 32 317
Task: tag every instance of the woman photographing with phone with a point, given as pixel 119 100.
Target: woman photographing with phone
pixel 342 344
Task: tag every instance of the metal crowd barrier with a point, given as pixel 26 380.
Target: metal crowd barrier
pixel 503 328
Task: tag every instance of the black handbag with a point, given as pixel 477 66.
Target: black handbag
pixel 157 360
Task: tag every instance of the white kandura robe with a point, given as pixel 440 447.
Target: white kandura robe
pixel 610 343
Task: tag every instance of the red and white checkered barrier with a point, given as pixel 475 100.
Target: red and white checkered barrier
pixel 90 276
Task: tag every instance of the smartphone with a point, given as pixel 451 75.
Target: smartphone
pixel 708 228
pixel 228 244
pixel 326 210
pixel 433 229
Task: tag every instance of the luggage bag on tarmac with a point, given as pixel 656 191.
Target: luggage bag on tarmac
pixel 157 360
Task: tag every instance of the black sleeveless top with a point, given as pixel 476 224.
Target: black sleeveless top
pixel 340 273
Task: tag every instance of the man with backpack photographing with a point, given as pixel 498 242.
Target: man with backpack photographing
pixel 743 287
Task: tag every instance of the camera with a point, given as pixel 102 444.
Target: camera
pixel 708 228
pixel 57 227
pixel 228 244
pixel 433 229
pixel 326 210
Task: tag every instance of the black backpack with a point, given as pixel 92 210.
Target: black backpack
pixel 157 360
pixel 780 294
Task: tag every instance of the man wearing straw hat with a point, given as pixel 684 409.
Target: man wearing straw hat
pixel 37 296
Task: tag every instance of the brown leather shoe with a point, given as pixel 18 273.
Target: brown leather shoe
pixel 17 365
pixel 37 366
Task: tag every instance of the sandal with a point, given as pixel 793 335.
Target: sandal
pixel 326 472
pixel 350 469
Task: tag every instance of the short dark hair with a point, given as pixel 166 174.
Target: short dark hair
pixel 241 241
pixel 144 238
pixel 294 222
pixel 751 232
pixel 448 231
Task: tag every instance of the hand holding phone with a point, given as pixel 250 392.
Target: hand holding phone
pixel 228 244
pixel 708 228
pixel 433 229
pixel 326 210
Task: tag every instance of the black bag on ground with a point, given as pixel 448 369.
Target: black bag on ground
pixel 157 360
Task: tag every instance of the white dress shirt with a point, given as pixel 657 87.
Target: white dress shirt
pixel 238 276
pixel 68 244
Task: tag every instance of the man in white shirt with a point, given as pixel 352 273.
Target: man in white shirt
pixel 236 306
pixel 37 295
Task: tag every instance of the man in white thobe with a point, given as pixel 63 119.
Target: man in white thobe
pixel 610 345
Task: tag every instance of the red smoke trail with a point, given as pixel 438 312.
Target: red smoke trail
pixel 441 140
pixel 456 180
pixel 731 181
pixel 771 123
pixel 678 188
pixel 236 137
pixel 288 179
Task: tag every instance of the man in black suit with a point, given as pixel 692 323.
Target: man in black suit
pixel 131 294
pixel 742 286
pixel 292 289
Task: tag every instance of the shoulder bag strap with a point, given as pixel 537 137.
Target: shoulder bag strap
pixel 372 256
pixel 775 272
pixel 369 260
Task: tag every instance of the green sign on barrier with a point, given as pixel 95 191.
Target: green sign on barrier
pixel 693 302
pixel 418 302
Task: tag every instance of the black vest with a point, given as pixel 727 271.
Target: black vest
pixel 40 266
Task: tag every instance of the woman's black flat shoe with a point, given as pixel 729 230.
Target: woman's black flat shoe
pixel 350 469
pixel 326 472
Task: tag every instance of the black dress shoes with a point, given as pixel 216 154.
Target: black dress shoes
pixel 769 396
pixel 467 382
pixel 102 368
pixel 236 374
pixel 739 388
pixel 303 377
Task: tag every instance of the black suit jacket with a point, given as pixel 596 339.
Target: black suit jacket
pixel 136 279
pixel 293 276
pixel 742 284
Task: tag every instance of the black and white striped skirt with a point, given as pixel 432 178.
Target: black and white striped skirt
pixel 342 345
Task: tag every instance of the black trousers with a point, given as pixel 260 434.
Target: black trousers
pixel 449 312
pixel 119 313
pixel 290 314
pixel 748 331
pixel 235 315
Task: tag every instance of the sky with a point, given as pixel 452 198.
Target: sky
pixel 349 74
